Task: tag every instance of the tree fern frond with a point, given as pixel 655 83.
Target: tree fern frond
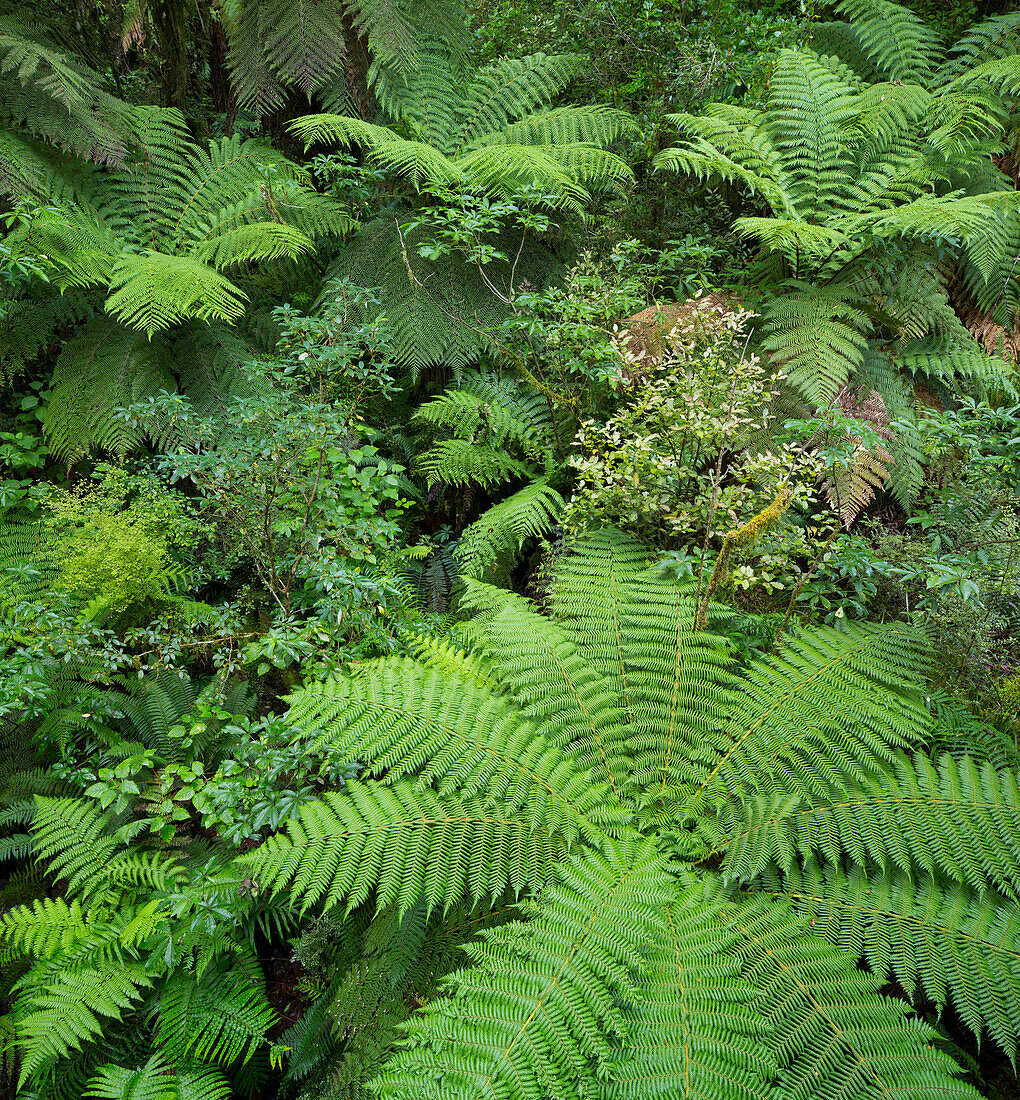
pixel 443 315
pixel 422 91
pixel 595 168
pixel 158 1079
pixel 839 40
pixel 540 1008
pixel 824 1023
pixel 72 835
pixel 276 43
pixel 508 90
pixel 501 533
pixel 692 1031
pixel 471 741
pixel 956 359
pixel 509 169
pixel 944 941
pixel 152 291
pixel 400 843
pixel 57 98
pixel 154 705
pixel 794 238
pixel 557 688
pixel 67 1013
pixel 595 125
pixel 458 462
pixel 667 665
pixel 951 216
pixel 257 241
pixel 808 719
pixel 592 596
pixel 958 819
pixel 215 1017
pixel 730 149
pixel 505 411
pixel 394 29
pixel 899 43
pixel 958 732
pixel 818 339
pixel 442 656
pixel 808 108
pixel 421 163
pixel 993 39
pixel 101 370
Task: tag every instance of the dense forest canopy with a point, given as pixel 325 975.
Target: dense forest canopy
pixel 509 550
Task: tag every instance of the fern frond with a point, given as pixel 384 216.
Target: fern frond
pixel 674 721
pixel 592 596
pixel 943 941
pixel 470 741
pixel 154 707
pixel 153 291
pixel 823 1020
pixel 256 241
pixel 215 1017
pixel 158 1079
pixel 808 108
pixel 44 927
pixel 508 90
pixel 540 1008
pixel 501 533
pixel 556 688
pixel 839 40
pixel 55 97
pixel 958 732
pixel 898 42
pixel 458 462
pixel 67 1013
pixel 692 1030
pixel 101 370
pixel 818 339
pixel 594 125
pixel 504 411
pixel 509 169
pixel 72 834
pixel 401 843
pixel 808 719
pixel 957 819
pixel 993 39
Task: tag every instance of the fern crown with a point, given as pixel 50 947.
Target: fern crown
pixel 703 849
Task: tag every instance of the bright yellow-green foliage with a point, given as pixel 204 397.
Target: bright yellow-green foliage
pixel 117 547
pixel 113 557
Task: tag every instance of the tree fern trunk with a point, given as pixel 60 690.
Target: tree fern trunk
pixel 357 59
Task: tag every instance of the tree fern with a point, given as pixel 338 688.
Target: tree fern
pixel 841 165
pixel 483 132
pixel 491 133
pixel 125 951
pixel 898 42
pixel 276 46
pixel 690 813
pixel 966 99
pixel 50 95
pixel 490 420
pixel 155 240
pixel 158 1080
